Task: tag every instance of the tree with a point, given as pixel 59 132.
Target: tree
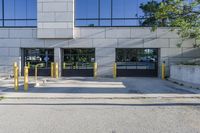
pixel 150 9
pixel 182 16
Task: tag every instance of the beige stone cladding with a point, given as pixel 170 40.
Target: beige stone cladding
pixel 105 40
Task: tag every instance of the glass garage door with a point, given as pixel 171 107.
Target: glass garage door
pixel 78 62
pixel 40 57
pixel 141 62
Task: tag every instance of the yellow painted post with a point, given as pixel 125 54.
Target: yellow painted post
pixel 56 70
pixel 163 71
pixel 29 65
pixel 115 71
pixel 52 69
pixel 64 65
pixel 76 65
pixel 95 70
pixel 25 78
pixel 14 65
pixel 16 78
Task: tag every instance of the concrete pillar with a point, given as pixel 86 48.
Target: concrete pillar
pixel 105 58
pixel 55 18
pixel 57 58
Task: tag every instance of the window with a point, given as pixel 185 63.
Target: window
pixel 78 58
pixel 78 62
pixel 18 13
pixel 137 62
pixel 40 57
pixel 1 13
pixel 109 12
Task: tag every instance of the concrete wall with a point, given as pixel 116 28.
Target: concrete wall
pixel 56 30
pixel 55 18
pixel 104 40
pixel 185 73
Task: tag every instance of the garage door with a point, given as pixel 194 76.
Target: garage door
pixel 40 57
pixel 140 62
pixel 78 62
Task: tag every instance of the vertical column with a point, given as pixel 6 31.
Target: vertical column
pixel 57 58
pixel 60 14
pixel 105 57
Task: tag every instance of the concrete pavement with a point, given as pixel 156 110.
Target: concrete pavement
pixel 85 105
pixel 100 115
pixel 103 88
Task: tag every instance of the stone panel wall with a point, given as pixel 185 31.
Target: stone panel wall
pixel 55 18
pixel 104 40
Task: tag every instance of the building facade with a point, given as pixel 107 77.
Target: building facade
pixel 77 33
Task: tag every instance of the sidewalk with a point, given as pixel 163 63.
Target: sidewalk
pixel 102 88
pixel 93 96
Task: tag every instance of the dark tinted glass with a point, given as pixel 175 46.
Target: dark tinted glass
pixel 78 58
pixel 40 57
pixel 137 58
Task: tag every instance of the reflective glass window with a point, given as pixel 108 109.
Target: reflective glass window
pixel 109 12
pixel 18 13
pixel 1 13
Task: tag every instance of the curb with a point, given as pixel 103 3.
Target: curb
pixel 181 83
pixel 192 96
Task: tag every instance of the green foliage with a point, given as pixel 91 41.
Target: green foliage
pixel 183 16
pixel 176 14
pixel 150 9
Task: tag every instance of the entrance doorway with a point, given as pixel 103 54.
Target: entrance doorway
pixel 78 62
pixel 137 62
pixel 40 57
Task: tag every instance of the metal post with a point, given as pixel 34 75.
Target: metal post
pixel 52 69
pixel 29 65
pixel 163 71
pixel 36 73
pixel 14 65
pixel 64 65
pixel 115 71
pixel 16 77
pixel 25 78
pixel 56 70
pixel 95 70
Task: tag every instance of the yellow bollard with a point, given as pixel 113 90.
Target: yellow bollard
pixel 95 70
pixel 36 73
pixel 163 71
pixel 14 65
pixel 25 78
pixel 64 65
pixel 52 69
pixel 115 71
pixel 16 78
pixel 76 65
pixel 29 65
pixel 56 70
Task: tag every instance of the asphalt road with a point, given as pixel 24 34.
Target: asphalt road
pixel 100 116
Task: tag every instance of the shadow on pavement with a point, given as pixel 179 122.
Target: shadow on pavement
pixel 108 85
